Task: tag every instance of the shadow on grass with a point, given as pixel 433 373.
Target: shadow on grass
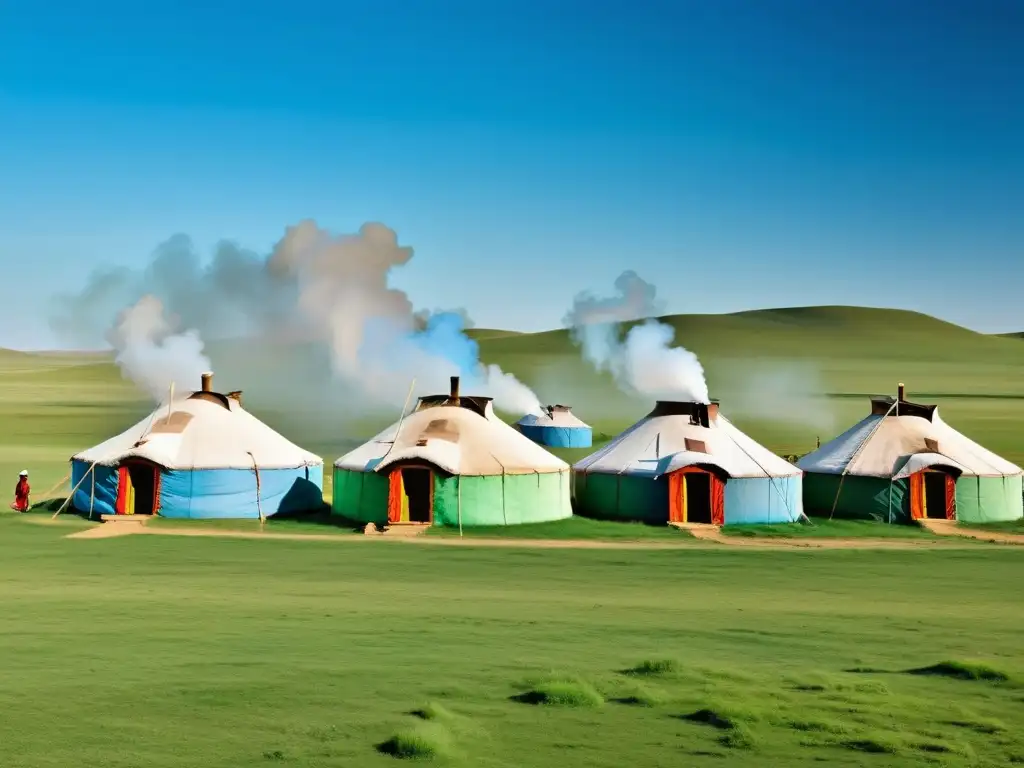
pixel 963 670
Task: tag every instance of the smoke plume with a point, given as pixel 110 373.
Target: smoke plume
pixel 152 354
pixel 777 390
pixel 316 321
pixel 643 362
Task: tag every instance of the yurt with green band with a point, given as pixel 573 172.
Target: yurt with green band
pixel 451 462
pixel 902 463
pixel 686 463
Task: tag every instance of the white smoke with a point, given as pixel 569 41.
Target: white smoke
pixel 778 390
pixel 322 300
pixel 152 354
pixel 644 362
pixel 376 336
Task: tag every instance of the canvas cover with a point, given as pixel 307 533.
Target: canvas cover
pixel 657 445
pixel 896 446
pixel 455 439
pixel 200 434
pixel 467 500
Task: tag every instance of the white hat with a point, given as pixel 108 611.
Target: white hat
pixel 23 473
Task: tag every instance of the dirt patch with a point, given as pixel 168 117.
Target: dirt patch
pixel 952 528
pixel 710 540
pixel 108 531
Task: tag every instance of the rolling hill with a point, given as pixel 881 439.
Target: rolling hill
pixel 786 376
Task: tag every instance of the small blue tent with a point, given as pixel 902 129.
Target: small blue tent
pixel 202 456
pixel 557 427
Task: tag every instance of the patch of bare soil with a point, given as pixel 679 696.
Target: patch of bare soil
pixel 704 537
pixel 108 530
pixel 952 528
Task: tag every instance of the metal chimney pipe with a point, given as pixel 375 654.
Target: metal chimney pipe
pixel 455 390
pixel 208 382
pixel 901 392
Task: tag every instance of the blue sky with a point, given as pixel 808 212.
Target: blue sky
pixel 738 154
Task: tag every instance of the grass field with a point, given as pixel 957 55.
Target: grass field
pixel 167 650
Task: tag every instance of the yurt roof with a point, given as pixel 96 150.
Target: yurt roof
pixel 206 430
pixel 554 416
pixel 884 444
pixel 676 435
pixel 466 438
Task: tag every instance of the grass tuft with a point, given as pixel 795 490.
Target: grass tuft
pixel 978 725
pixel 816 726
pixel 739 736
pixel 562 693
pixel 424 741
pixel 643 696
pixel 654 668
pixel 963 670
pixel 936 747
pixel 432 711
pixel 875 745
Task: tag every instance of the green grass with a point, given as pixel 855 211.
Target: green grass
pixel 573 528
pixel 825 528
pixel 1006 526
pixel 311 653
pixel 314 525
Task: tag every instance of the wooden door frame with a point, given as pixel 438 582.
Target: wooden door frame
pixel 678 511
pixel 124 481
pixel 919 497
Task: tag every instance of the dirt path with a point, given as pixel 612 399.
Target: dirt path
pixel 952 528
pixel 103 531
pixel 704 540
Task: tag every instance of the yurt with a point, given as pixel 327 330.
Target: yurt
pixel 902 462
pixel 686 463
pixel 202 456
pixel 557 427
pixel 451 461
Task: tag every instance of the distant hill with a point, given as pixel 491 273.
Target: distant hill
pixel 1017 335
pixel 824 333
pixel 802 332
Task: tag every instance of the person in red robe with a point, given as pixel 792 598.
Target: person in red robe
pixel 21 491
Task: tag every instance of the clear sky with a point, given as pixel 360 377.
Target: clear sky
pixel 738 154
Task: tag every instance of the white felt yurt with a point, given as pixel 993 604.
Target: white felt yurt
pixel 685 462
pixel 204 456
pixel 903 462
pixel 451 461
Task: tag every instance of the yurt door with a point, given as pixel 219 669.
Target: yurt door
pixel 939 495
pixel 125 492
pixel 138 488
pixel 411 495
pixel 932 494
pixel 695 496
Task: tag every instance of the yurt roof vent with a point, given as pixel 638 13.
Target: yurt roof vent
pixel 206 393
pixel 474 403
pixel 882 405
pixel 700 413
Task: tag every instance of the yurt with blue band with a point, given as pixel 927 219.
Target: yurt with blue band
pixel 557 427
pixel 686 463
pixel 202 456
